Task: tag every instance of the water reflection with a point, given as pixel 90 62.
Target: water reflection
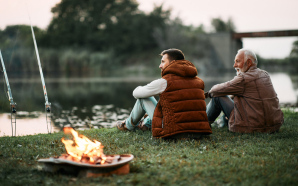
pixel 25 126
pixel 94 102
pixel 284 88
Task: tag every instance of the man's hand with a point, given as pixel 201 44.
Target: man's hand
pixel 207 95
pixel 231 96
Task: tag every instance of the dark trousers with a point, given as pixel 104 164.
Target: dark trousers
pixel 218 104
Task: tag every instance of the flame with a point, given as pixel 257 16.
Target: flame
pixel 81 147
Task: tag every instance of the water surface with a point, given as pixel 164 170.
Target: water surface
pixel 85 103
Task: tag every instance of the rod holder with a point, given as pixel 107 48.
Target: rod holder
pixel 13 117
pixel 48 117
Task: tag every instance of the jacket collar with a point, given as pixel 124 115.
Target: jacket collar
pixel 252 68
pixel 182 68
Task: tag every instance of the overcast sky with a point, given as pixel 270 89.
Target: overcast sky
pixel 252 15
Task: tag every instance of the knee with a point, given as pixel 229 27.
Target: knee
pixel 217 99
pixel 143 99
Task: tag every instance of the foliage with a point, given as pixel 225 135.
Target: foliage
pixel 75 62
pixel 18 36
pixel 288 64
pixel 293 59
pixel 225 158
pixel 220 26
pixel 294 51
pixel 103 25
pixel 103 38
pixel 193 41
pixel 17 48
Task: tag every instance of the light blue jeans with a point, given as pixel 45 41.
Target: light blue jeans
pixel 141 107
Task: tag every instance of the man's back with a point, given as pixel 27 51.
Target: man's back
pixel 258 84
pixel 257 108
pixel 182 107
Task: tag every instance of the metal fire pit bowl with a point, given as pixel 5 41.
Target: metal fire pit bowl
pixel 56 165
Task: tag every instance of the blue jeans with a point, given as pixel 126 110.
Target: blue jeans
pixel 141 107
pixel 218 104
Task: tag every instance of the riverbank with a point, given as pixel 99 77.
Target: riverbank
pixel 225 158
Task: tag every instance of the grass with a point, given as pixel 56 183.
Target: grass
pixel 226 158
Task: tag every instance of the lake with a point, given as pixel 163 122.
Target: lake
pixel 85 103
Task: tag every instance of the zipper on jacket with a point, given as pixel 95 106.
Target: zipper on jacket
pixel 162 123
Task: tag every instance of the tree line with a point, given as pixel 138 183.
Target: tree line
pixel 103 38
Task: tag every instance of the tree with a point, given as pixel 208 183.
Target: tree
pixel 103 25
pixel 17 48
pixel 17 36
pixel 220 26
pixel 294 51
pixel 293 59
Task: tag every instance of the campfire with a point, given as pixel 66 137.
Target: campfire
pixel 81 149
pixel 86 158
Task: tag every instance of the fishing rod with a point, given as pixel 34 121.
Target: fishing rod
pixel 13 105
pixel 47 103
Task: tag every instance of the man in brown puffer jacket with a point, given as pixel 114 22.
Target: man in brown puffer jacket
pixel 181 108
pixel 255 107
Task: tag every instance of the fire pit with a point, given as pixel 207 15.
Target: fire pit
pixel 86 159
pixel 119 166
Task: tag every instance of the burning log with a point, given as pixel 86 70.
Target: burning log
pixel 83 148
pixel 86 158
pixel 97 160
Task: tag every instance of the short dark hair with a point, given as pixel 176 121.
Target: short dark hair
pixel 173 54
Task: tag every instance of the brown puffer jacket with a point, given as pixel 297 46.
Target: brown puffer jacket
pixel 256 106
pixel 181 107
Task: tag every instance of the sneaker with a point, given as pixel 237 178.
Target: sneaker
pixel 142 126
pixel 220 123
pixel 121 125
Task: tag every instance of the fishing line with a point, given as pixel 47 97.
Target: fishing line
pixel 4 87
pixel 4 83
pixel 12 104
pixel 47 103
pixel 12 54
pixel 7 88
pixel 14 44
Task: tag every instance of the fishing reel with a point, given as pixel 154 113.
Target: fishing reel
pixel 13 108
pixel 48 107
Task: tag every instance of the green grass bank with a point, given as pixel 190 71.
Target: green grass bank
pixel 226 158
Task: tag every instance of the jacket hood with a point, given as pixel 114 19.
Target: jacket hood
pixel 182 68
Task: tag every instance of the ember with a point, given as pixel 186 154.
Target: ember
pixel 81 149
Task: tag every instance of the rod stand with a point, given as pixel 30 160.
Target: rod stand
pixel 48 117
pixel 13 117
